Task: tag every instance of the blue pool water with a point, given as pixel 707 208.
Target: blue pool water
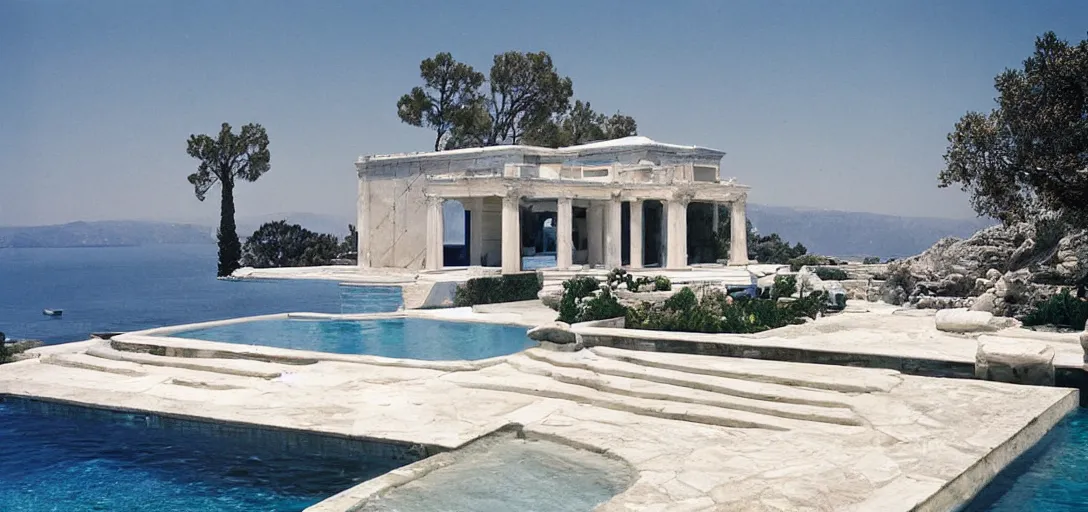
pixel 1051 477
pixel 132 288
pixel 409 338
pixel 62 458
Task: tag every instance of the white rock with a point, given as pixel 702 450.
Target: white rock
pixel 962 320
pixel 556 332
pixel 984 302
pixel 1014 360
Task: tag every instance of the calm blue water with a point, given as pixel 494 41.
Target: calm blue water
pixel 98 461
pixel 131 288
pixel 1051 477
pixel 410 338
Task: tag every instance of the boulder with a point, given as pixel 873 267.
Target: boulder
pixel 964 321
pixel 550 297
pixel 1014 360
pixel 984 302
pixel 557 332
pixel 1013 286
pixel 1084 343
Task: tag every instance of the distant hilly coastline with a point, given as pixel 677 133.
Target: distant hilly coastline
pixel 104 234
pixel 831 233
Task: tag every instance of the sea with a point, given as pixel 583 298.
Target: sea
pixel 118 289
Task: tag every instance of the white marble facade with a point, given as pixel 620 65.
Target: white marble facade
pixel 632 190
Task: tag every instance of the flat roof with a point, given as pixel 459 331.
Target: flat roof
pixel 614 145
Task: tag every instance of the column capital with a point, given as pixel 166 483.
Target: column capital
pixel 434 200
pixel 513 193
pixel 683 196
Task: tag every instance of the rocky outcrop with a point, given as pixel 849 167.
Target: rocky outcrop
pixel 1011 268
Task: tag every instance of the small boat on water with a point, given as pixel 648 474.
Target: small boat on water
pixel 52 312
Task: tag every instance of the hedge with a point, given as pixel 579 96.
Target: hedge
pixel 493 290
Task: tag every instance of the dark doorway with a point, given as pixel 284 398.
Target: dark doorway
pixel 651 233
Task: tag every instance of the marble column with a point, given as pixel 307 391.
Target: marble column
pixel 362 228
pixel 564 233
pixel 677 256
pixel 635 226
pixel 434 232
pixel 613 236
pixel 738 233
pixel 595 229
pixel 511 233
pixel 476 230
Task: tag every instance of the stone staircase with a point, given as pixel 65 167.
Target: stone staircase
pixel 725 392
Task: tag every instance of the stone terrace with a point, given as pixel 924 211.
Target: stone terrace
pixel 702 433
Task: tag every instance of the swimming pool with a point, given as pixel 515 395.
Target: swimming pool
pixel 406 338
pixel 60 457
pixel 1051 476
pixel 512 474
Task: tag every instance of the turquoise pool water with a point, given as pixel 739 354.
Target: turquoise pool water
pixel 62 458
pixel 1051 477
pixel 407 338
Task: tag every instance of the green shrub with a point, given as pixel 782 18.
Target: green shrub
pixel 5 352
pixel 718 313
pixel 618 276
pixel 492 290
pixel 662 284
pixel 807 260
pixel 574 289
pixel 831 274
pixel 600 307
pixel 871 260
pixel 784 286
pixel 1063 310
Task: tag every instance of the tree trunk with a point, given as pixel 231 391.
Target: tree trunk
pixel 230 249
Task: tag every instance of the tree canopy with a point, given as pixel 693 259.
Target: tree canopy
pixel 223 160
pixel 526 101
pixel 279 244
pixel 1031 152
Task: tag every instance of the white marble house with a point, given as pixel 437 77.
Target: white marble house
pixel 615 203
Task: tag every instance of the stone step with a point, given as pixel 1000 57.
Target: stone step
pixel 86 362
pixel 831 378
pixel 586 360
pixel 240 367
pixel 639 388
pixel 507 378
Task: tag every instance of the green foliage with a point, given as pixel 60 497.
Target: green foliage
pixel 662 284
pixel 351 242
pixel 831 274
pixel 1029 153
pixel 1063 310
pixel 784 286
pixel 492 290
pixel 526 101
pixel 619 276
pixel 719 313
pixel 580 126
pixel 871 260
pixel 601 306
pixel 807 260
pixel 279 244
pixel 450 96
pixel 575 289
pixel 5 351
pixel 224 160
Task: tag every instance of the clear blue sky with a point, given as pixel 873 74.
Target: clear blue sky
pixel 841 105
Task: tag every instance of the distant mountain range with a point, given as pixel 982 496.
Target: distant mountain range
pixel 105 234
pixel 831 233
pixel 855 234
